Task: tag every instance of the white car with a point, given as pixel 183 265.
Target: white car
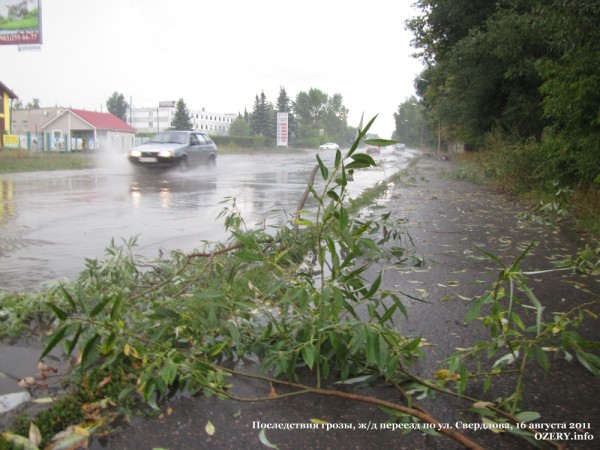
pixel 329 146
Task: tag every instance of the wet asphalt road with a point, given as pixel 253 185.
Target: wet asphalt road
pixel 449 222
pixel 51 221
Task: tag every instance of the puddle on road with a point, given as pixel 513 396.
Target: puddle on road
pixel 18 362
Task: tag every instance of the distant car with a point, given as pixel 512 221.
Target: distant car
pixel 373 150
pixel 329 146
pixel 400 146
pixel 181 149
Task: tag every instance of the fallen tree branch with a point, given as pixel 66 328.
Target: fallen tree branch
pixel 303 389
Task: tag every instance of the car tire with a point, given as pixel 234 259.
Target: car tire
pixel 183 164
pixel 212 162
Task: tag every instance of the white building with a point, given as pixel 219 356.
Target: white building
pixel 155 119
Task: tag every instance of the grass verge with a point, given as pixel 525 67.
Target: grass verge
pixel 575 208
pixel 12 161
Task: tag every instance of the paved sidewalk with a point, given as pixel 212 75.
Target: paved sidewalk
pixel 449 221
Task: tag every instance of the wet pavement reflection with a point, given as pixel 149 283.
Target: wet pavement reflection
pixel 51 221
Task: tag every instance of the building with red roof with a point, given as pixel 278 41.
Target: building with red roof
pixel 80 130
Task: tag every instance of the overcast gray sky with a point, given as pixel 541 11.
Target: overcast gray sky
pixel 218 54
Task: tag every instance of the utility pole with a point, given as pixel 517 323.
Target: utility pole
pixel 439 134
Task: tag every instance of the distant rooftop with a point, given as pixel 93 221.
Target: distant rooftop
pixel 103 121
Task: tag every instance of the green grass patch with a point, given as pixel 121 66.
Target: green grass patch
pixel 92 400
pixel 12 161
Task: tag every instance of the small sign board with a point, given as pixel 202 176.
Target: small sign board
pixel 282 129
pixel 10 141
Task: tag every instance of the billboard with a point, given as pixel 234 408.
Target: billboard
pixel 20 22
pixel 282 129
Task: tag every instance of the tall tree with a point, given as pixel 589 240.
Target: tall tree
pixel 526 67
pixel 181 119
pixel 444 23
pixel 240 127
pixel 34 104
pixel 262 118
pixel 283 101
pixel 315 111
pixel 336 117
pixel 482 72
pixel 411 123
pixel 310 107
pixel 284 104
pixel 117 106
pixel 571 89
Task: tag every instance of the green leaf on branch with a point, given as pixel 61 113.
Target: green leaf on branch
pixel 166 313
pixel 338 157
pixel 333 195
pixel 542 358
pixel 100 306
pixel 476 306
pixel 62 315
pixel 361 161
pixel 67 295
pixel 375 286
pixel 56 337
pixel 169 372
pixel 116 308
pixel 322 168
pixel 90 356
pixel 590 361
pixel 73 342
pixel 309 355
pixel 343 218
pixel 246 240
